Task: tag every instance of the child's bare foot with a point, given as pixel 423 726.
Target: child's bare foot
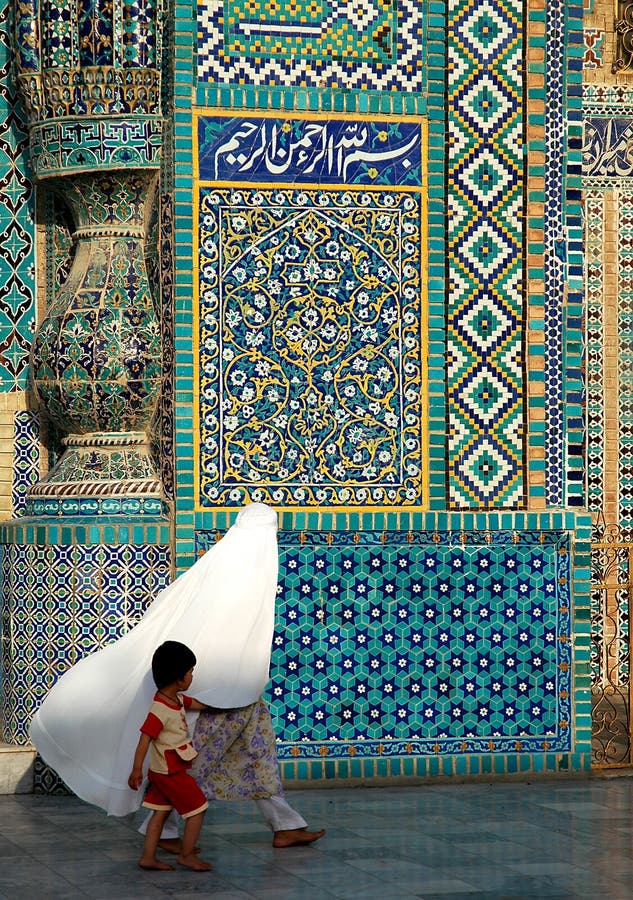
pixel 174 845
pixel 194 862
pixel 293 837
pixel 153 863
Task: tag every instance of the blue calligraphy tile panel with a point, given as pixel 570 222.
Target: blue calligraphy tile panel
pixel 310 363
pixel 325 151
pixel 422 642
pixel 607 147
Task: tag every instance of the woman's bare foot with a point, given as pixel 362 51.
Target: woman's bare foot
pixel 153 863
pixel 194 862
pixel 294 837
pixel 171 845
pixel 174 845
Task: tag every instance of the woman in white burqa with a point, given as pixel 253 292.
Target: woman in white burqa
pixel 223 608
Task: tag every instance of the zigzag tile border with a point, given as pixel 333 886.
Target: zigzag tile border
pixel 595 288
pixel 565 441
pixel 485 183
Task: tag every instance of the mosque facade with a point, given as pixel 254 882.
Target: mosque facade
pixel 370 263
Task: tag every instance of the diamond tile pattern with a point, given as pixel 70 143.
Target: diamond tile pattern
pixel 485 195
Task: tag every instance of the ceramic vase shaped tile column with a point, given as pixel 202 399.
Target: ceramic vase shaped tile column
pixel 96 360
pixel 89 77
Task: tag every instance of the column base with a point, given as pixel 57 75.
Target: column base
pixel 100 473
pixel 16 769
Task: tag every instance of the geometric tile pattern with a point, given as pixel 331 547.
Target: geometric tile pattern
pixel 428 642
pixel 17 248
pixel 555 263
pixel 59 46
pixel 614 100
pixel 310 369
pixel 485 369
pixel 26 462
pixel 109 143
pixel 142 24
pixel 60 603
pixel 365 45
pixel 594 48
pixel 166 409
pixel 47 781
pixel 95 42
pixel 566 105
pixel 161 276
pixel 595 305
pixel 131 507
pixel 625 360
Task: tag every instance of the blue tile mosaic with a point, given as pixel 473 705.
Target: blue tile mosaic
pixel 325 151
pixel 17 239
pixel 26 463
pixel 309 390
pixel 421 643
pixel 555 262
pixel 59 603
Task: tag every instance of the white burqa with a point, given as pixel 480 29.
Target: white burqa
pixel 223 608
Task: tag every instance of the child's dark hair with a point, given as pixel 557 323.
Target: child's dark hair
pixel 171 662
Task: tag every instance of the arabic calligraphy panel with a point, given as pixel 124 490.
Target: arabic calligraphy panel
pixel 608 147
pixel 328 151
pixel 310 363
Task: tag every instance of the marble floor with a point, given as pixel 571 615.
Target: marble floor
pixel 548 839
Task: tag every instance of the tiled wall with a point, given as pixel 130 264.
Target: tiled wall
pixel 396 650
pixel 608 192
pixel 487 379
pixel 373 322
pixel 17 228
pixel 61 601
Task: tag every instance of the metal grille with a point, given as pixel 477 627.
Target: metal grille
pixel 611 565
pixel 623 27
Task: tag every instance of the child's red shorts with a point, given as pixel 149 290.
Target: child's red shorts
pixel 178 791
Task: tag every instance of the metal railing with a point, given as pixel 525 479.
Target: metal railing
pixel 612 577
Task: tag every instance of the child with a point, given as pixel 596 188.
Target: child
pixel 164 733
